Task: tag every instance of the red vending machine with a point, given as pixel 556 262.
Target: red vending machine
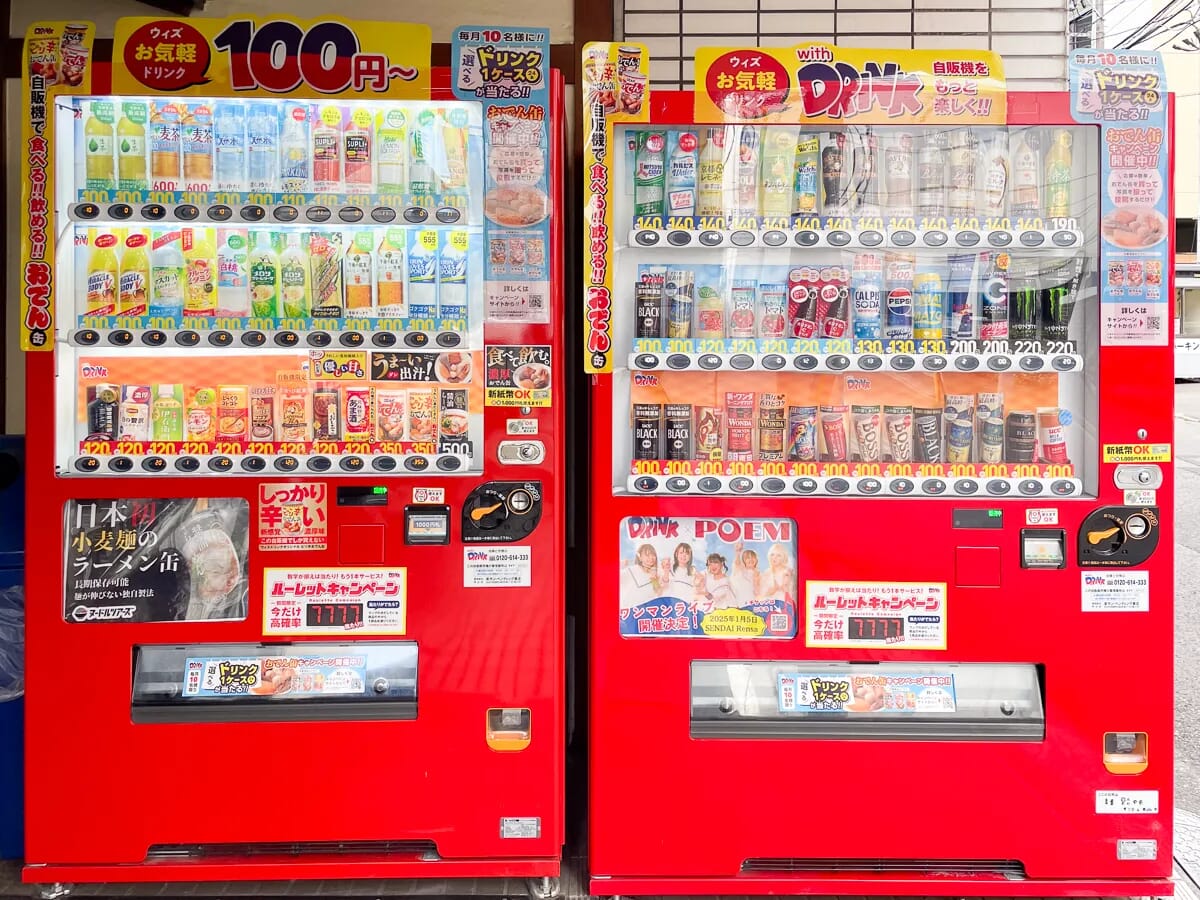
pixel 295 432
pixel 884 352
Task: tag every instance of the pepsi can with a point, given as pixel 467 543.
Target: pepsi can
pixel 898 299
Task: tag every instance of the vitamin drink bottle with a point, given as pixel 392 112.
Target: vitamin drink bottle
pixel 928 307
pixel 133 289
pixel 102 273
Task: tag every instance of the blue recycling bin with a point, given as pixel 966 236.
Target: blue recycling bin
pixel 12 712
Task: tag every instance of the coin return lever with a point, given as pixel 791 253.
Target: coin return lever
pixel 1043 548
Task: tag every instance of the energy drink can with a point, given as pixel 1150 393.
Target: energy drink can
pixel 993 298
pixel 709 428
pixel 739 409
pixel 802 434
pixel 648 294
pixel 898 305
pixel 928 307
pixel 772 311
pixel 1058 301
pixel 772 424
pixel 679 431
pixel 647 430
pixel 679 292
pixel 964 320
pixel 1024 304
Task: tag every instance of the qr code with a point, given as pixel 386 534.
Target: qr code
pixel 777 622
pixel 536 302
pixel 1154 323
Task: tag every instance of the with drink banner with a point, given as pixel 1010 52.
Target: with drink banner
pixel 1126 95
pixel 707 578
pixel 506 69
pixel 891 693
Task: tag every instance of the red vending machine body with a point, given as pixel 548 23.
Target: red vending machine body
pixel 308 640
pixel 882 356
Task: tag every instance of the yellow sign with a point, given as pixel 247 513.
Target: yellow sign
pixel 827 84
pixel 57 60
pixel 338 365
pixel 616 89
pixel 314 58
pixel 1137 453
pixel 733 623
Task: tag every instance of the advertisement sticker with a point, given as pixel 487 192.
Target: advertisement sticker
pixel 485 567
pixel 292 516
pixel 57 60
pixel 616 82
pixel 1141 497
pixel 156 560
pixel 517 376
pixel 1126 95
pixel 423 495
pixel 822 83
pixel 825 692
pixel 303 675
pixel 1126 802
pixel 871 615
pixel 1115 591
pixel 1047 516
pixel 507 69
pixel 707 578
pixel 335 601
pixel 1137 453
pixel 228 57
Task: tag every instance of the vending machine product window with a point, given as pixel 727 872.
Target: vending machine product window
pixel 887 310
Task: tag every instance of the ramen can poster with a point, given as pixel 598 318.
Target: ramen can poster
pixel 707 578
pixel 518 376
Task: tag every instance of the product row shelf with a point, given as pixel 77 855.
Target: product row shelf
pixel 207 334
pixel 855 486
pixel 854 238
pixel 345 210
pixel 271 461
pixel 855 362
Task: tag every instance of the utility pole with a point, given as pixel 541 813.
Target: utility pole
pixel 1098 19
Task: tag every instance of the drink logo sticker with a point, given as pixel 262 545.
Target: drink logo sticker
pixel 824 83
pixel 1137 453
pixel 1115 591
pixel 875 615
pixel 487 567
pixel 292 515
pixel 364 601
pixel 156 560
pixel 518 376
pixel 1125 94
pixel 891 693
pixel 707 578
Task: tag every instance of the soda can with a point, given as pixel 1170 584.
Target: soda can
pixel 898 304
pixel 802 434
pixel 928 307
pixel 772 311
pixel 964 320
pixel 993 298
pixel 647 430
pixel 679 431
pixel 679 291
pixel 867 296
pixel 648 294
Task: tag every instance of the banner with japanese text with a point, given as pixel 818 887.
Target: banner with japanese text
pixel 1126 95
pixel 259 55
pixel 616 84
pixel 507 70
pixel 365 601
pixel 821 83
pixel 56 60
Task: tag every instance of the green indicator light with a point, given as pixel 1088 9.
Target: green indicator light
pixel 992 513
pixel 378 490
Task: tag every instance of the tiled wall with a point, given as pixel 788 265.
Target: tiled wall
pixel 1031 35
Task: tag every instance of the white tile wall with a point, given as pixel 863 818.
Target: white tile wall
pixel 1029 34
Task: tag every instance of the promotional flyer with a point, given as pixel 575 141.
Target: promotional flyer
pixel 708 578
